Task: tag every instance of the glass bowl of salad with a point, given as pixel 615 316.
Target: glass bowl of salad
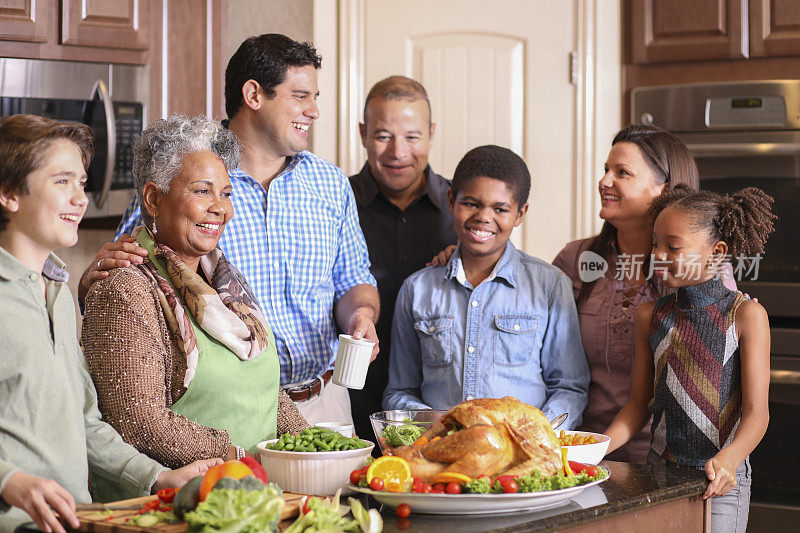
pixel 402 427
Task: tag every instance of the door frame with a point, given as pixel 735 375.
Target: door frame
pixel 595 69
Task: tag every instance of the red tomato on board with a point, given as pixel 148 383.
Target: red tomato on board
pixel 403 510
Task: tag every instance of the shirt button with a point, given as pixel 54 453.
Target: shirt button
pixel 469 396
pixel 278 304
pixel 32 275
pixel 276 264
pixel 471 349
pixel 516 327
pixel 403 220
pixel 432 329
pixel 474 303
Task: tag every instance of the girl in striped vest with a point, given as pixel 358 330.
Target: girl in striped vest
pixel 701 363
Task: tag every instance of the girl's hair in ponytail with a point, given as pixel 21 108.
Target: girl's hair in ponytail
pixel 743 219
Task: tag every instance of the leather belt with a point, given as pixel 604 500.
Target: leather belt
pixel 301 393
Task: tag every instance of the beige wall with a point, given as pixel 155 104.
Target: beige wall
pixel 244 18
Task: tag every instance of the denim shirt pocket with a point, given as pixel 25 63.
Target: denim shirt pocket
pixel 514 338
pixel 435 339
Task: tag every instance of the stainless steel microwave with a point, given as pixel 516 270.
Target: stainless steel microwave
pixel 111 99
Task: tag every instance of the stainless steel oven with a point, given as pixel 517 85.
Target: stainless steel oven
pixel 111 99
pixel 746 134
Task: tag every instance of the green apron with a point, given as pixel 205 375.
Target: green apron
pixel 240 397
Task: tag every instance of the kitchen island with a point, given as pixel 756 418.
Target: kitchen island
pixel 636 498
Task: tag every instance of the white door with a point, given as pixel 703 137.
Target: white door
pixel 496 73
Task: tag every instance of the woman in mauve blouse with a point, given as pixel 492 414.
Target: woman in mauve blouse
pixel 643 162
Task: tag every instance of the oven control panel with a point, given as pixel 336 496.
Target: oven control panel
pixel 730 111
pixel 741 106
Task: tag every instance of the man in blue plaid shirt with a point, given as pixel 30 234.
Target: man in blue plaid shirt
pixel 300 247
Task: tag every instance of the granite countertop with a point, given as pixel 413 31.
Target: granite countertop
pixel 630 487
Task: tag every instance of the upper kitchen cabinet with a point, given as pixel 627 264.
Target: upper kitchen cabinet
pixel 119 31
pixel 119 24
pixel 687 30
pixel 23 20
pixel 774 28
pixel 668 31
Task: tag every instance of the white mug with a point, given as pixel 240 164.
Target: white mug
pixel 352 362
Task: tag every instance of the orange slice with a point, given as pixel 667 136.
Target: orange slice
pixel 394 471
pixel 451 477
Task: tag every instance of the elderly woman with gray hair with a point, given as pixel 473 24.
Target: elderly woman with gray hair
pixel 183 360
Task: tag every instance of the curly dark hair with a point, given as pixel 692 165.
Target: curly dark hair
pixel 265 59
pixel 494 162
pixel 744 219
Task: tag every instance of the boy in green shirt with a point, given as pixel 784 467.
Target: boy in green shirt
pixel 50 427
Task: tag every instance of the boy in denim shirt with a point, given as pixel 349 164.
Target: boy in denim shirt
pixel 493 321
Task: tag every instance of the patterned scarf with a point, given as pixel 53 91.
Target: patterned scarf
pixel 226 309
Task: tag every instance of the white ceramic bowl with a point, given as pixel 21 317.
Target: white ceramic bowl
pixel 589 454
pixel 319 473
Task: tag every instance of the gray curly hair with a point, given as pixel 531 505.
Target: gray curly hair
pixel 159 151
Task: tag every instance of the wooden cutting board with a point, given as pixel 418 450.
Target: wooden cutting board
pixel 98 521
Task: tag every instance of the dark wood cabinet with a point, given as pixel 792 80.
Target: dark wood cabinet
pixel 774 28
pixel 122 24
pixel 23 20
pixel 668 31
pixel 106 31
pixel 690 41
pixel 687 30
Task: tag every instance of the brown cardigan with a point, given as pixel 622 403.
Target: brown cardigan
pixel 138 369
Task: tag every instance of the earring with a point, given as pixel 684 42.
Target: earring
pixel 155 230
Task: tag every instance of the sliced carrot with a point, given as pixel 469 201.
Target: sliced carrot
pixel 422 441
pixel 437 437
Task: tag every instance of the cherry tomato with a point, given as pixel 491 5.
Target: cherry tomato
pixel 403 524
pixel 510 486
pixel 403 510
pixel 416 485
pixel 439 487
pixel 591 471
pixel 355 477
pixel 434 491
pixel 453 488
pixel 426 488
pixel 484 476
pixel 166 495
pixel 364 470
pixel 376 483
pixel 504 479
